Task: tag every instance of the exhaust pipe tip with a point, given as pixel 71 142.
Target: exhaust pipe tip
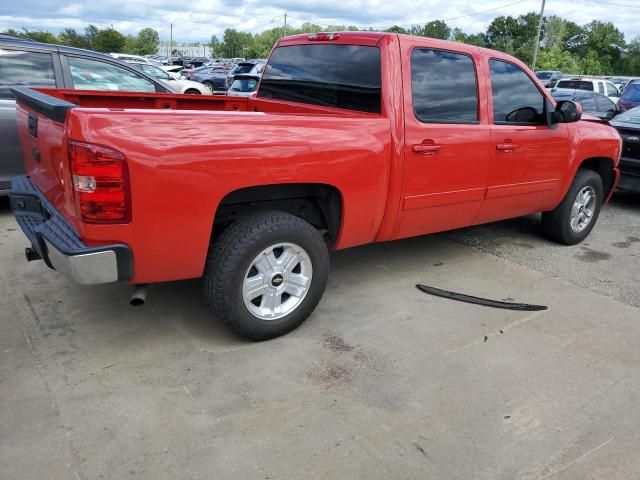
pixel 139 296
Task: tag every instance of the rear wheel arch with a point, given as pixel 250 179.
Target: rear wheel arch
pixel 320 204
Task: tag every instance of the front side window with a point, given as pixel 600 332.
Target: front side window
pixel 20 67
pixel 516 99
pixel 443 86
pixel 90 74
pixel 339 76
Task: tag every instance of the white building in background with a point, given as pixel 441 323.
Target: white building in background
pixel 187 49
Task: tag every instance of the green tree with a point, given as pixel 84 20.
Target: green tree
pixel 72 38
pixel 109 40
pixel 606 42
pixel 235 42
pixel 214 45
pixel 557 59
pixel 40 36
pixel 90 34
pixel 437 29
pixel 396 29
pixel 147 41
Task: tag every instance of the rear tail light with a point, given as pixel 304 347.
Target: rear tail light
pixel 100 183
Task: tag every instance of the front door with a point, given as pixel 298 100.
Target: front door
pixel 528 156
pixel 446 143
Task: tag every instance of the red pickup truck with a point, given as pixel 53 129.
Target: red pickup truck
pixel 352 138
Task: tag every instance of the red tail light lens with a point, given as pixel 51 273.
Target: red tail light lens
pixel 100 183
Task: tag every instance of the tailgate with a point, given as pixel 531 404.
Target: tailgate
pixel 41 129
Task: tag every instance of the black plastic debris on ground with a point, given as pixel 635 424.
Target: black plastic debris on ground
pixel 485 302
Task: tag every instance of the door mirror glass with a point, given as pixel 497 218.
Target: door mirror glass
pixel 568 111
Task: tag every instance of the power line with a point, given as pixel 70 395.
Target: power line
pixel 612 3
pixel 484 11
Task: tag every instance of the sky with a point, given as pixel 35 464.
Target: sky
pixel 197 20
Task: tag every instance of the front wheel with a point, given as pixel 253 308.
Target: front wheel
pixel 572 221
pixel 265 274
pixel 192 91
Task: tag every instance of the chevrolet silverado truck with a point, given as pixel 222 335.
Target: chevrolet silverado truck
pixel 352 138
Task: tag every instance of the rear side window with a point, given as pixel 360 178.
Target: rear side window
pixel 604 104
pixel 340 76
pixel 516 99
pixel 575 84
pixel 96 75
pixel 443 86
pixel 19 67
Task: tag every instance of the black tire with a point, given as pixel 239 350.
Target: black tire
pixel 192 91
pixel 231 256
pixel 556 224
pixel 209 85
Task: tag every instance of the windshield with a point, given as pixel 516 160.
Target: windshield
pixel 630 116
pixel 632 93
pixel 543 75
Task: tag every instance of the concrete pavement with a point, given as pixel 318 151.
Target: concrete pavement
pixel 382 382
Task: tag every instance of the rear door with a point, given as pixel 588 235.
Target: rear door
pixel 528 157
pixel 446 141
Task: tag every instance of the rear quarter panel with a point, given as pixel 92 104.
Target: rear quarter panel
pixel 182 164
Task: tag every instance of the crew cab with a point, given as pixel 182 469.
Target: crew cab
pixel 352 138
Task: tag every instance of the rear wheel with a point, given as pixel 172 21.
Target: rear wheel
pixel 265 274
pixel 572 221
pixel 208 85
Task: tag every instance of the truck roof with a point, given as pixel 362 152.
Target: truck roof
pixel 373 38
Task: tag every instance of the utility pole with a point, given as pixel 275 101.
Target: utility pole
pixel 537 44
pixel 285 24
pixel 171 41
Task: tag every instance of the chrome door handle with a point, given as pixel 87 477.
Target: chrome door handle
pixel 506 147
pixel 426 148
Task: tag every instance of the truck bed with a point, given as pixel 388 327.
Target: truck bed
pixel 185 154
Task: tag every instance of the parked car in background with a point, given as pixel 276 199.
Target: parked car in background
pixel 175 84
pixel 628 126
pixel 125 57
pixel 631 96
pixel 549 78
pixel 349 141
pixel 244 86
pixel 605 87
pixel 174 70
pixel 244 68
pixel 204 70
pixel 27 63
pixel 214 78
pixel 593 103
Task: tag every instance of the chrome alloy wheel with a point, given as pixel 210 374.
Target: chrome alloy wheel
pixel 584 207
pixel 277 281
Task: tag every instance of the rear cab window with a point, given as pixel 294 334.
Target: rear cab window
pixel 576 84
pixel 339 76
